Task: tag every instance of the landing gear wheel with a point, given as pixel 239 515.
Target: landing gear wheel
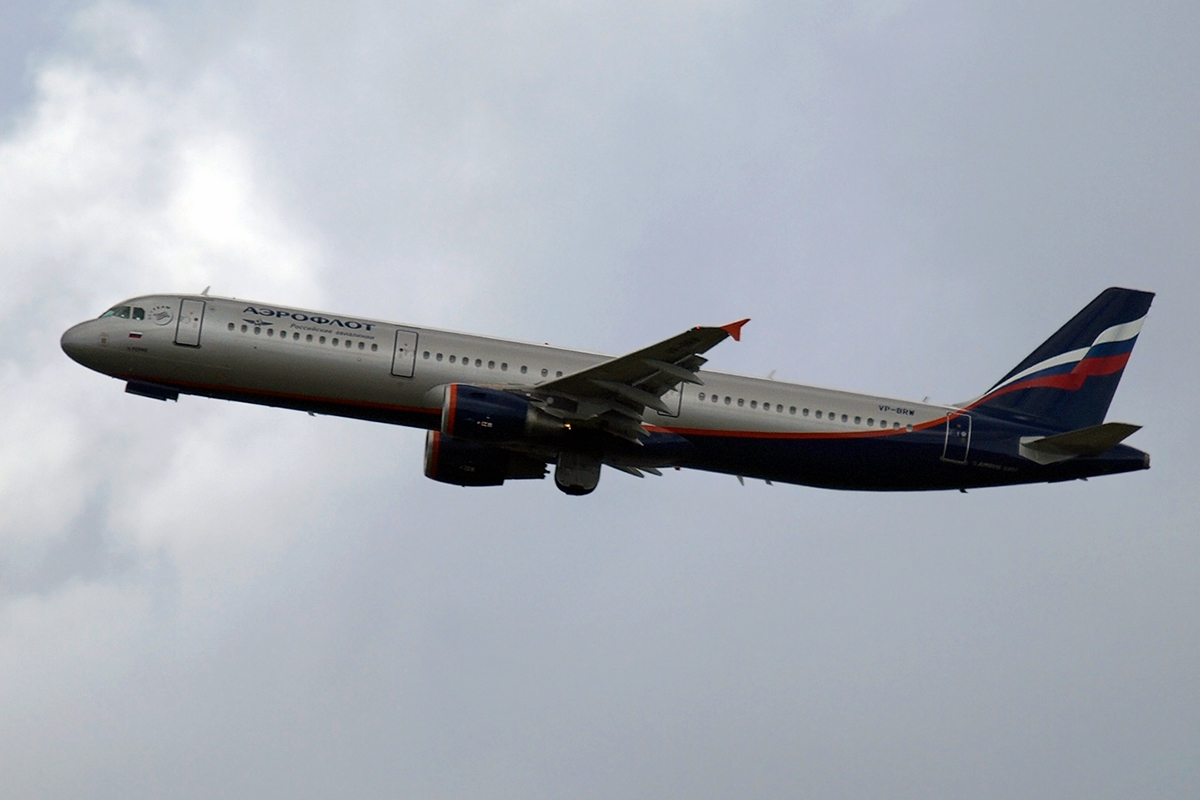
pixel 577 474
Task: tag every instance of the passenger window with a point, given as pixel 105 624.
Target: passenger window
pixel 701 395
pixel 504 366
pixel 375 347
pixel 270 331
pixel 870 422
pixel 779 409
pixel 753 404
pixel 363 346
pixel 818 414
pixel 257 330
pixel 858 420
pixel 524 369
pixel 715 398
pixel 741 402
pixel 139 313
pixel 425 355
pixel 479 362
pixel 321 340
pixel 308 338
pixel 728 399
pixel 545 372
pixel 231 326
pixel 491 365
pixel 439 356
pixel 906 427
pixel 805 412
pixel 295 337
pixel 451 359
pixel 349 344
pixel 558 374
pixel 844 418
pixel 244 329
pixel 334 342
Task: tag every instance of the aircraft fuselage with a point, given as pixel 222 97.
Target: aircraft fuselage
pixel 325 363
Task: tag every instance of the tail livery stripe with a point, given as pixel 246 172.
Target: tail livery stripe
pixel 1108 354
pixel 1121 333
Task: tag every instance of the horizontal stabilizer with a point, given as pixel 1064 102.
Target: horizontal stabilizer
pixel 1083 442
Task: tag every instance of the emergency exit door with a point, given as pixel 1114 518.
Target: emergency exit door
pixel 672 400
pixel 958 438
pixel 404 357
pixel 191 317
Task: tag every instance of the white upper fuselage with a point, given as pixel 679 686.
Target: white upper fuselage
pixel 302 357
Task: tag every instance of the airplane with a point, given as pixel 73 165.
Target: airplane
pixel 498 410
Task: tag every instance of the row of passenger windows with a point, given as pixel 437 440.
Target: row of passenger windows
pixel 348 344
pixel 466 361
pixel 830 415
pixel 308 337
pixel 125 312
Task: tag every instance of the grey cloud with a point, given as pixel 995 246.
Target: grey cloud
pixel 907 198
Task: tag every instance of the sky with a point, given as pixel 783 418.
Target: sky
pixel 204 599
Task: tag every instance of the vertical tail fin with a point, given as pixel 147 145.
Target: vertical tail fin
pixel 1070 380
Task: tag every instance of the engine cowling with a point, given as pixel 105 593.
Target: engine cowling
pixel 464 463
pixel 479 414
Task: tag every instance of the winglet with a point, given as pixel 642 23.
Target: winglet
pixel 734 329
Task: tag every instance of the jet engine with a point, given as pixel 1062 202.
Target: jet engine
pixel 464 463
pixel 479 414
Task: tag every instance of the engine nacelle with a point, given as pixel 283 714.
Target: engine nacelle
pixel 463 463
pixel 478 414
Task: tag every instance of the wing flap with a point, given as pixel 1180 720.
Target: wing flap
pixel 633 394
pixel 614 394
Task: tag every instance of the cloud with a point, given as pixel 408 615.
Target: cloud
pixel 119 180
pixel 204 598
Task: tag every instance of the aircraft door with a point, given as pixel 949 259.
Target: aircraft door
pixel 958 438
pixel 672 401
pixel 404 358
pixel 191 317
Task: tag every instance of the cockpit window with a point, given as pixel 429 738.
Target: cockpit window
pixel 125 312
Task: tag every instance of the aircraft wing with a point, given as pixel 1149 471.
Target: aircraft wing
pixel 614 394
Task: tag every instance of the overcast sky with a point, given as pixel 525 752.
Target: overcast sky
pixel 201 599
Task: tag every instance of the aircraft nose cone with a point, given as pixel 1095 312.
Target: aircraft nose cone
pixel 72 342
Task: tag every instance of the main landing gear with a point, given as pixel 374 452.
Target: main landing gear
pixel 577 473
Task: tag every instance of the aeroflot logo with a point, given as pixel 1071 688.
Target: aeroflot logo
pixel 317 319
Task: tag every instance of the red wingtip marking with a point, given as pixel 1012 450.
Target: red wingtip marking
pixel 734 329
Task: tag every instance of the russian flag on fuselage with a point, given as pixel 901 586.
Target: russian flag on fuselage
pixel 1070 380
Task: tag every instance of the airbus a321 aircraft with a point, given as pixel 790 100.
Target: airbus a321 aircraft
pixel 498 410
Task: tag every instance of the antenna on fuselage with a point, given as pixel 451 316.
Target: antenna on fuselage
pixel 205 292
